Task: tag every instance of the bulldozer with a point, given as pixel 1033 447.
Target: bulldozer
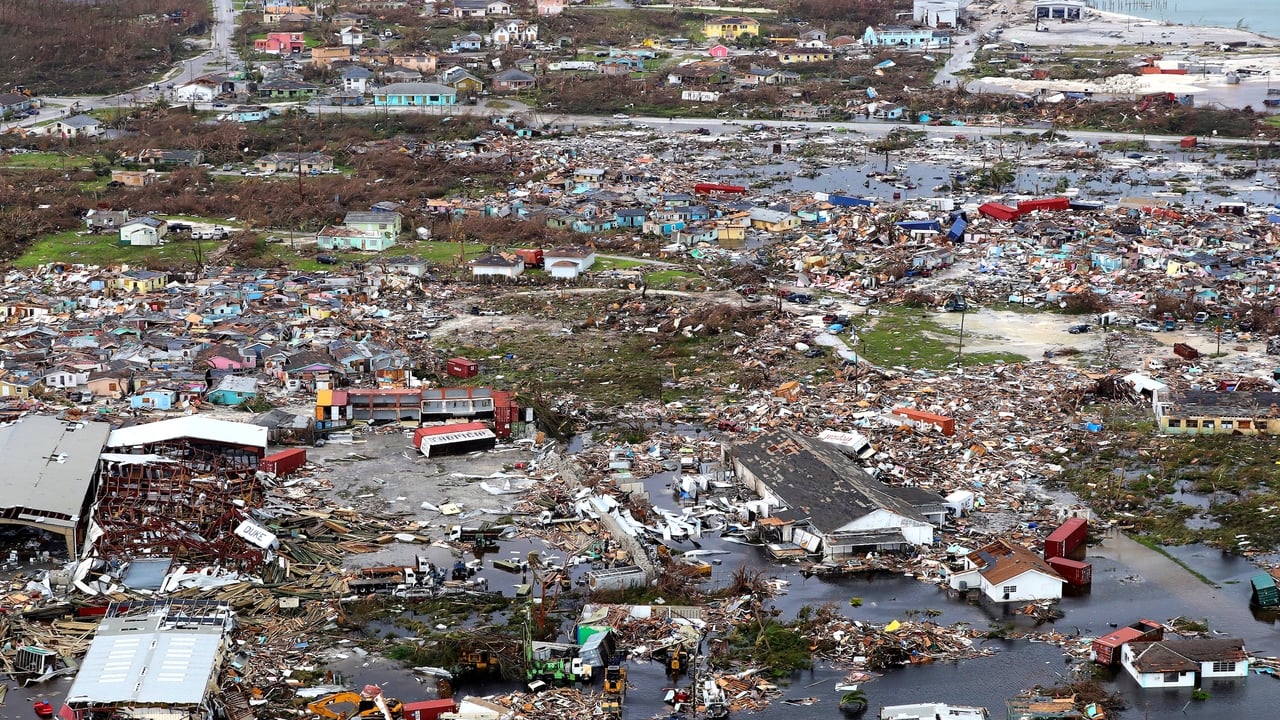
pixel 361 707
pixel 678 662
pixel 480 661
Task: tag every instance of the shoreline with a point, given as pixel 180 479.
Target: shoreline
pixel 1100 27
pixel 1129 18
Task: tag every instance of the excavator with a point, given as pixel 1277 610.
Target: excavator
pixel 361 707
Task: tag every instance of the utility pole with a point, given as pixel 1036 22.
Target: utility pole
pixel 960 346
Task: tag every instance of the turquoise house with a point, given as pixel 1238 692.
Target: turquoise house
pixel 154 400
pixel 414 94
pixel 234 390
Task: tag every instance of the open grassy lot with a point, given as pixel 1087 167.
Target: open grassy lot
pixel 905 337
pixel 73 247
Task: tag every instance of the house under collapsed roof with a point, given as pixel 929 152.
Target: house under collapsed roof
pixel 50 472
pixel 833 506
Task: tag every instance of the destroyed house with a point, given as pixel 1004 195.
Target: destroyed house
pixel 1205 412
pixel 160 660
pixel 51 474
pixel 1007 572
pixel 1184 663
pixel 833 506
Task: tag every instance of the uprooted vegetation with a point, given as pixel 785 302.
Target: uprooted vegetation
pixel 73 48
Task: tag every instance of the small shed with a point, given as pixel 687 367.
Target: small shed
pixel 461 367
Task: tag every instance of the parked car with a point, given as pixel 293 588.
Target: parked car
pixel 1201 317
pixel 219 104
pixel 799 298
pixel 326 259
pixel 1148 325
pixel 1078 329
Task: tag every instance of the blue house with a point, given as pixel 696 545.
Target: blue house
pixel 154 400
pixel 247 113
pixel 234 390
pixel 631 217
pixel 414 94
pixel 905 36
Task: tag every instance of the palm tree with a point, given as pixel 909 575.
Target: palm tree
pixel 854 702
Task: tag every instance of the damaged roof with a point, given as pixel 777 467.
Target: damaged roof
pixel 816 479
pixel 49 466
pixel 1002 560
pixel 1161 656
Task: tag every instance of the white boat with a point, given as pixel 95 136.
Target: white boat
pixel 930 711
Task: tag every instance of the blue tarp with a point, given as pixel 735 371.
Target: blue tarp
pixel 1273 218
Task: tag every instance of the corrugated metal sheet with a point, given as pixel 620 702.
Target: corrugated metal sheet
pixel 49 465
pixel 157 666
pixel 193 426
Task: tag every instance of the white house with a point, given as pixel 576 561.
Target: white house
pixel 498 265
pixel 937 13
pixel 356 79
pixel 64 379
pixel 569 261
pixel 351 36
pixel 146 231
pixel 513 32
pixel 77 126
pixel 1184 663
pixel 1006 572
pixel 198 90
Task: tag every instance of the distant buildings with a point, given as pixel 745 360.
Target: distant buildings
pixel 906 36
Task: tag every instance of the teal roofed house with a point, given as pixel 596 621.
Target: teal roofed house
pixel 414 94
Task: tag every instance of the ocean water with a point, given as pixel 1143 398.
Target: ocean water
pixel 1258 16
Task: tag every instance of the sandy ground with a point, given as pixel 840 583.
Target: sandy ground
pixel 1103 28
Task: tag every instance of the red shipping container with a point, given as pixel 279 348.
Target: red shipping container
pixel 1077 573
pixel 1187 142
pixel 1058 203
pixel 946 424
pixel 461 367
pixel 1068 540
pixel 429 709
pixel 283 463
pixel 999 212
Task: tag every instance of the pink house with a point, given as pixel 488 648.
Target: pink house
pixel 223 357
pixel 281 43
pixel 718 51
pixel 550 7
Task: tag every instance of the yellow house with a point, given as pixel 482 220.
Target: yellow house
pixel 804 55
pixel 730 27
pixel 141 281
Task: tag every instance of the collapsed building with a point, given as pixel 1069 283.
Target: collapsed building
pixel 179 487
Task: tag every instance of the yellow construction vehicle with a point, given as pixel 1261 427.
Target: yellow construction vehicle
pixel 615 680
pixel 481 661
pixel 678 661
pixel 361 707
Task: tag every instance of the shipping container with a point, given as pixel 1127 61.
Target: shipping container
pixel 1077 574
pixel 847 201
pixel 283 463
pixel 999 211
pixel 1068 540
pixel 1185 351
pixel 615 579
pixel 946 424
pixel 708 188
pixel 1057 203
pixel 461 367
pixel 429 709
pixel 1265 594
pixel 532 257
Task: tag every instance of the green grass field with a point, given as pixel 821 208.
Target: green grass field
pixel 71 246
pixel 909 338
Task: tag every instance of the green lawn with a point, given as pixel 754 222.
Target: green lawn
pixel 609 263
pixel 72 247
pixel 665 278
pixel 44 161
pixel 909 337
